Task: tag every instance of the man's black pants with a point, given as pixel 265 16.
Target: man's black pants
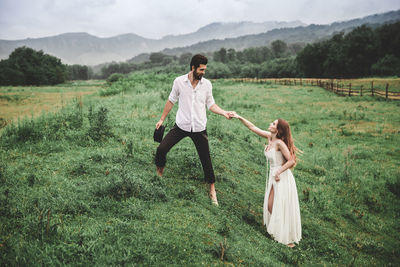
pixel 200 140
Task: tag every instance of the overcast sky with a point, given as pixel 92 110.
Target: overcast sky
pixel 20 19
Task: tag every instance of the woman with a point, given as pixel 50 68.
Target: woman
pixel 281 205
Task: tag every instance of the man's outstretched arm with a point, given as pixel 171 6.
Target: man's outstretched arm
pixel 167 109
pixel 217 110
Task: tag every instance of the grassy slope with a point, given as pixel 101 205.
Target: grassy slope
pixel 68 199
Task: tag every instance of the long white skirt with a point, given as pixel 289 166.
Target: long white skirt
pixel 284 224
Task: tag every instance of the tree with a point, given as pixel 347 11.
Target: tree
pixel 231 55
pixel 311 59
pixel 334 63
pixel 250 55
pixel 387 66
pixel 185 58
pixel 220 55
pixel 26 66
pixel 157 57
pixel 389 39
pixel 361 51
pixel 279 48
pixel 78 72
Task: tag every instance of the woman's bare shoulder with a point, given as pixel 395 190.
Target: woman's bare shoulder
pixel 280 144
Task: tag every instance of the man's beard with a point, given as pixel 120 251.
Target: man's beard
pixel 196 75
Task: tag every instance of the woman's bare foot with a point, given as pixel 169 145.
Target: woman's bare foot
pixel 291 245
pixel 214 199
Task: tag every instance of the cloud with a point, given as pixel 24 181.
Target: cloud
pixel 155 19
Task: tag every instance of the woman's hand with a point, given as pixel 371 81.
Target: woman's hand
pixel 233 114
pixel 277 178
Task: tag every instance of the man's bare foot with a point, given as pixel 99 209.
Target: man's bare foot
pixel 291 245
pixel 160 171
pixel 213 196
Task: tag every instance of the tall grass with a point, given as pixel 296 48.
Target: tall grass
pixel 79 187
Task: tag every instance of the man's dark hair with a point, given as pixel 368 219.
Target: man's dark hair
pixel 197 60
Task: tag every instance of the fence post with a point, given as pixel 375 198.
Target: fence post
pixel 387 92
pixel 350 89
pixel 361 90
pixel 372 88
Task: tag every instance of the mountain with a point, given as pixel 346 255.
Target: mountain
pixel 302 34
pixel 83 48
pixel 224 30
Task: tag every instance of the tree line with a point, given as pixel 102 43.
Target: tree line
pixel 26 66
pixel 364 51
pixel 277 61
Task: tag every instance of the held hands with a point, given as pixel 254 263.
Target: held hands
pixel 229 114
pixel 277 178
pixel 233 114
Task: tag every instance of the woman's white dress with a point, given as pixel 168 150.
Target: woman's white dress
pixel 284 224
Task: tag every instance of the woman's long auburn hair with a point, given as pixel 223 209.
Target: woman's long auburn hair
pixel 285 135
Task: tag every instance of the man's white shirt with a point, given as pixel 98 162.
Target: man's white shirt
pixel 191 115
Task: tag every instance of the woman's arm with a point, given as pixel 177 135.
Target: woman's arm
pixel 252 127
pixel 286 153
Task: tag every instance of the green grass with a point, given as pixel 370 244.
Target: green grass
pixel 31 101
pixel 75 191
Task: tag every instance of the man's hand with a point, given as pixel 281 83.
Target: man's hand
pixel 229 114
pixel 159 123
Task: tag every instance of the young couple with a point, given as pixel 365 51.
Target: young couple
pixel 194 93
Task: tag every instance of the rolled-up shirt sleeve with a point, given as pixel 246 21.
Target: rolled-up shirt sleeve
pixel 210 99
pixel 173 96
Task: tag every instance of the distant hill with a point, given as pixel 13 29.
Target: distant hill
pixel 83 48
pixel 302 34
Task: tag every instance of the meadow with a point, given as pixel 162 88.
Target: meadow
pixel 31 101
pixel 78 186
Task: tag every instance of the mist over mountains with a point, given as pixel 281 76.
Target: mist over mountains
pixel 301 34
pixel 83 48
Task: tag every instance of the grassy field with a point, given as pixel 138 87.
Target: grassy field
pixel 377 82
pixel 78 187
pixel 28 101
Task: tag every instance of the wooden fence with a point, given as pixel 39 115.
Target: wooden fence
pixel 330 85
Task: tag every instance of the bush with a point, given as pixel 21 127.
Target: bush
pixel 100 128
pixel 114 77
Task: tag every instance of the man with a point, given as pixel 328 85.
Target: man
pixel 193 93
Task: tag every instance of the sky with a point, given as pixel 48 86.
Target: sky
pixel 20 19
